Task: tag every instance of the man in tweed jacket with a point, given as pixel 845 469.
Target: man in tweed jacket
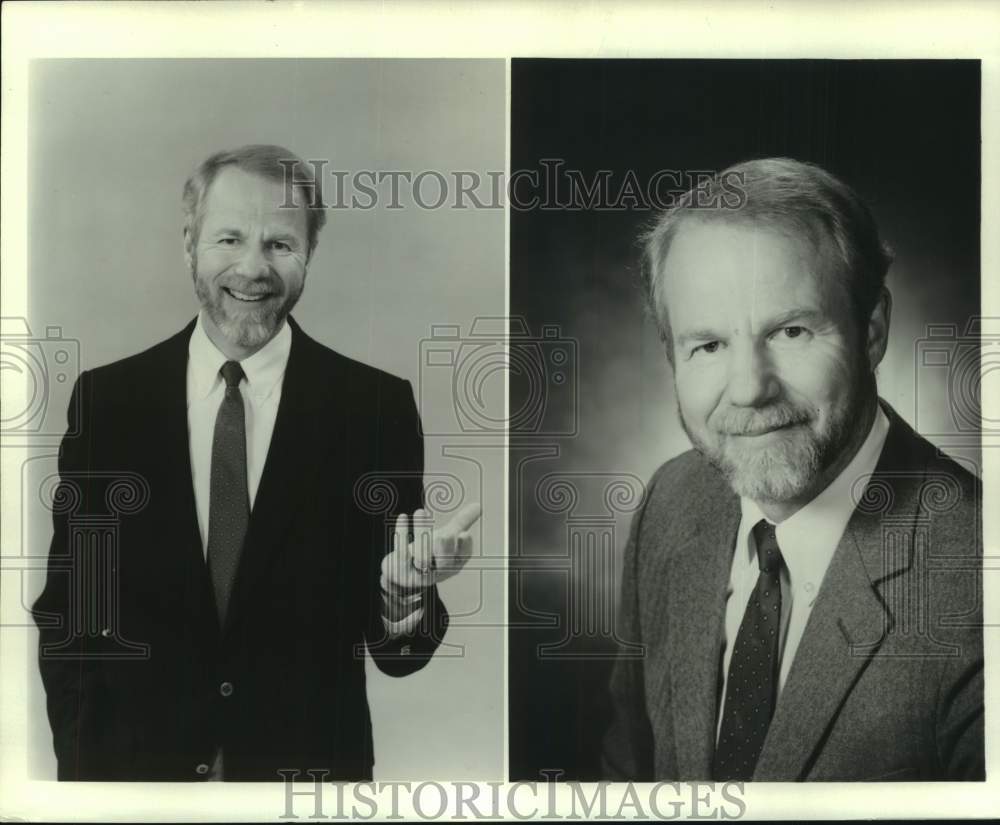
pixel 775 316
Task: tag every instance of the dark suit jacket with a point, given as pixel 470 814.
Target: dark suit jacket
pixel 887 681
pixel 132 655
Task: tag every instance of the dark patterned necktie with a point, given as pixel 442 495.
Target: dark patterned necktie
pixel 752 681
pixel 229 499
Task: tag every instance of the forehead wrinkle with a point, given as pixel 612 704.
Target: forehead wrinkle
pixel 246 221
pixel 799 268
pixel 795 281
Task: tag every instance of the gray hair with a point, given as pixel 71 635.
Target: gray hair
pixel 268 161
pixel 782 193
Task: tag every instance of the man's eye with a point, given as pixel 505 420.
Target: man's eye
pixel 228 241
pixel 280 246
pixel 708 348
pixel 791 333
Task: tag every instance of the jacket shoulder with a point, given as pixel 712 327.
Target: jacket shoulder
pixel 941 465
pixel 935 485
pixel 686 482
pixel 952 497
pixel 357 375
pixel 132 372
pixel 681 496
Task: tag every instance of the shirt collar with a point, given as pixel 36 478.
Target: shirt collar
pixel 264 369
pixel 809 537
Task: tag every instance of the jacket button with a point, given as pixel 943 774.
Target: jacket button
pixel 106 632
pixel 226 688
pixel 201 769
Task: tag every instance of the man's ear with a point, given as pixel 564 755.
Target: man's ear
pixel 188 250
pixel 878 328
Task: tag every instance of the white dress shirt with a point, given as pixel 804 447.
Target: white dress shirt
pixel 261 391
pixel 808 539
pixel 206 388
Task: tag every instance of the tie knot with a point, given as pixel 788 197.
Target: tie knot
pixel 768 552
pixel 232 373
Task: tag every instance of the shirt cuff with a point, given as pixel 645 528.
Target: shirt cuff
pixel 401 610
pixel 404 626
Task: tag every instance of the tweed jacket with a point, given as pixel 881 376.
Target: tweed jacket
pixel 887 682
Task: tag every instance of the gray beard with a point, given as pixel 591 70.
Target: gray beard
pixel 791 468
pixel 252 328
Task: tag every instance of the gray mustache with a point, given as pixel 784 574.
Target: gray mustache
pixel 255 288
pixel 754 422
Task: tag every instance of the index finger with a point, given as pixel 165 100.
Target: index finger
pixel 401 535
pixel 466 517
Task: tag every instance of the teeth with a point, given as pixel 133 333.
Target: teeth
pixel 244 296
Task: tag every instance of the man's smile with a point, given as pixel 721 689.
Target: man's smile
pixel 754 435
pixel 246 297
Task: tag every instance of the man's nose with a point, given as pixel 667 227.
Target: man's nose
pixel 752 380
pixel 253 262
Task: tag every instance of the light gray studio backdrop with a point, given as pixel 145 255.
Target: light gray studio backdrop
pixel 111 143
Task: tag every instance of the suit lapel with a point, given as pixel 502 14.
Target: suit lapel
pixel 845 628
pixel 699 577
pixel 306 423
pixel 849 621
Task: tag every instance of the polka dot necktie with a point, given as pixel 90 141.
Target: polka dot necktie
pixel 229 500
pixel 752 681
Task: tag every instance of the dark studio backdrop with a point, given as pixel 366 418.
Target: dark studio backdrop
pixel 591 397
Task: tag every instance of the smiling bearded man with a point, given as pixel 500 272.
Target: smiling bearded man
pixel 788 441
pixel 779 574
pixel 250 576
pixel 246 296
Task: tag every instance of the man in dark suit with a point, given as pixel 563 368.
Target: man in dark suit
pixel 267 483
pixel 806 582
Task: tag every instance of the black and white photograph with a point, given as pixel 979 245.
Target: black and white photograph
pixel 259 520
pixel 755 508
pixel 499 411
